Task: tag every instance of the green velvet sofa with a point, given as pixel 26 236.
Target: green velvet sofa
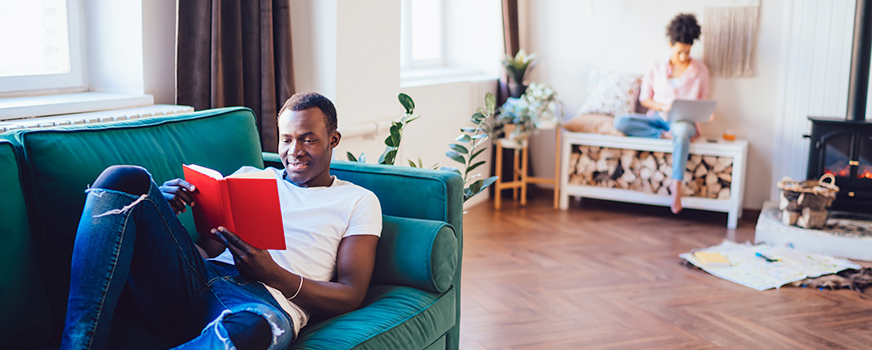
pixel 413 301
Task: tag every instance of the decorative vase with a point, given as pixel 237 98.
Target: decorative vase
pixel 516 90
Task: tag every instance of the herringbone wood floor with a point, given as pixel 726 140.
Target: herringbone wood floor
pixel 606 275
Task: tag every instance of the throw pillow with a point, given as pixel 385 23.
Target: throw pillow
pixel 611 93
pixel 593 123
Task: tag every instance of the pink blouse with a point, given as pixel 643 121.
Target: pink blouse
pixel 693 84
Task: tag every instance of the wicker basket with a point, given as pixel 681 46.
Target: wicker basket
pixel 805 203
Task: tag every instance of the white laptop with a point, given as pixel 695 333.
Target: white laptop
pixel 692 111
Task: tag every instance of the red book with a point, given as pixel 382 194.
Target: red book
pixel 246 204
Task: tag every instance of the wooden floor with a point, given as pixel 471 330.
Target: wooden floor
pixel 606 275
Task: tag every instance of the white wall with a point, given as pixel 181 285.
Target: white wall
pixel 572 37
pixel 113 37
pixel 159 50
pixel 349 51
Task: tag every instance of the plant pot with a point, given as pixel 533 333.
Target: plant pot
pixel 516 90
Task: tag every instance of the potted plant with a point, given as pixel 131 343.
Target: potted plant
pixel 538 108
pixel 517 67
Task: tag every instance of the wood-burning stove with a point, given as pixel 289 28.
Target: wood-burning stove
pixel 844 148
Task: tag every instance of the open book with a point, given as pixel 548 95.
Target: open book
pixel 246 204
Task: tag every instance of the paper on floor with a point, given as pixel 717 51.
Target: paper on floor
pixel 752 271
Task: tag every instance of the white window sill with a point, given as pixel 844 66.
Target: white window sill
pixel 36 106
pixel 440 75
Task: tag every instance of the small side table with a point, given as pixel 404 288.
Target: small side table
pixel 519 177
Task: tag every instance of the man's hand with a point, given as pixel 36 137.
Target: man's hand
pixel 178 193
pixel 250 261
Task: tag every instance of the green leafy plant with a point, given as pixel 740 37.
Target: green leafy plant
pixel 520 65
pixel 389 156
pixel 536 108
pixel 464 151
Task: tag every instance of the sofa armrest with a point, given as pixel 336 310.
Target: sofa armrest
pixel 416 253
pixel 272 159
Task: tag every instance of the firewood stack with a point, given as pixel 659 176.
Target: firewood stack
pixel 805 203
pixel 649 172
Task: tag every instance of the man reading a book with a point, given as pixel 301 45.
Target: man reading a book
pixel 223 292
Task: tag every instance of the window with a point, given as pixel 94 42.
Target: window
pixel 421 40
pixel 40 45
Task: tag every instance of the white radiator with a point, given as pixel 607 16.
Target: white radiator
pixel 93 117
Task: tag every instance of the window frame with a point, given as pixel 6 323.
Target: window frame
pixel 407 61
pixel 74 80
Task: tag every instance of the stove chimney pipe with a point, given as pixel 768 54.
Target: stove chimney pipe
pixel 860 54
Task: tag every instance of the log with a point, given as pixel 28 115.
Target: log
pixel 668 158
pixel 643 155
pixel 686 191
pixel 714 190
pixel 663 191
pixel 583 161
pixel 789 217
pixel 589 168
pixel 711 178
pixel 573 159
pixel 610 153
pixel 812 219
pixel 667 182
pixel 710 160
pixel 635 165
pixel 628 177
pixel 700 171
pixel 657 176
pixel 622 183
pixel 687 175
pixel 645 173
pixel 696 158
pixel 646 187
pixel 611 183
pixel 655 185
pixel 650 163
pixel 703 191
pixel 726 177
pixel 666 169
pixel 601 165
pixel 724 193
pixel 659 157
pixel 612 165
pixel 625 162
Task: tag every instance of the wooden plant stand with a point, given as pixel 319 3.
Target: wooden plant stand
pixel 519 172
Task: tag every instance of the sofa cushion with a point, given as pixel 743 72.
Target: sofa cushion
pixel 63 161
pixel 416 253
pixel 25 319
pixel 391 315
pixel 611 93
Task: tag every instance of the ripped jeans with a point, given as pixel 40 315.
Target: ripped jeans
pixel 138 240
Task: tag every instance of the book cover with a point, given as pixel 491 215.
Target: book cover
pixel 712 259
pixel 246 204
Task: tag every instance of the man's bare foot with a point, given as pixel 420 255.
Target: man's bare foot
pixel 676 197
pixel 666 135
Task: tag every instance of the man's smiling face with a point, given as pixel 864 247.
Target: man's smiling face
pixel 306 147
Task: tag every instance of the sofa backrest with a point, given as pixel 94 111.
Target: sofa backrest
pixel 62 162
pixel 25 319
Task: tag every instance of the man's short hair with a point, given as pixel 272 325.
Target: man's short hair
pixel 306 100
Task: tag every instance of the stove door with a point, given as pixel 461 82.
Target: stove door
pixel 864 161
pixel 836 150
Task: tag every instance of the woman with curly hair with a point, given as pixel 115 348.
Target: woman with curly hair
pixel 679 77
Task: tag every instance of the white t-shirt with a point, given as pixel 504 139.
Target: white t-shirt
pixel 315 220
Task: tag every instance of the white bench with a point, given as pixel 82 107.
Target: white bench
pixel 738 150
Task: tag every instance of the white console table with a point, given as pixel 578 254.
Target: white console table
pixel 738 150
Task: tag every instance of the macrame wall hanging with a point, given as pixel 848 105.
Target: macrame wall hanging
pixel 730 35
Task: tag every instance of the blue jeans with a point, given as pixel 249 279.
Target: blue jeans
pixel 640 125
pixel 138 240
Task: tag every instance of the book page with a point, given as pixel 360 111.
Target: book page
pixel 206 171
pixel 265 174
